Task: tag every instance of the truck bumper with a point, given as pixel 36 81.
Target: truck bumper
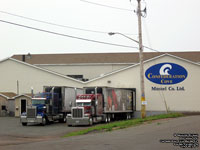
pixel 78 121
pixel 24 119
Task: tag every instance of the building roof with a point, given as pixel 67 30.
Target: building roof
pixel 25 95
pixel 8 94
pixel 100 57
pixel 146 61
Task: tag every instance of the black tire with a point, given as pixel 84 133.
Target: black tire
pixel 109 118
pixel 106 119
pixel 63 120
pixel 127 116
pixel 90 121
pixel 44 121
pixel 24 124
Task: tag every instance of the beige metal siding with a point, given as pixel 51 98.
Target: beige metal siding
pixel 187 100
pixel 89 71
pixel 28 77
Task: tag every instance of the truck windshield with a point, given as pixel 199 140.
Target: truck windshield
pixel 83 104
pixel 35 102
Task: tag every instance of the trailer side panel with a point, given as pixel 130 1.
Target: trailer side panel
pixel 118 100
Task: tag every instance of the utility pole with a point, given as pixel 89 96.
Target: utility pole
pixel 143 101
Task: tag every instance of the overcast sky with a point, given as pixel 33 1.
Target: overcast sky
pixel 170 25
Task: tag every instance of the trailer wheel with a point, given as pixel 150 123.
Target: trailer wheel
pixel 24 124
pixel 90 122
pixel 108 118
pixel 128 116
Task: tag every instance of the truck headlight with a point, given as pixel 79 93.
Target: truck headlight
pixel 69 115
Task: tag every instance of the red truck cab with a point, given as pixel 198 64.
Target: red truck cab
pixel 89 107
pixel 92 103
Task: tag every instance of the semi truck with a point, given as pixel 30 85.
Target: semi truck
pixel 102 104
pixel 51 105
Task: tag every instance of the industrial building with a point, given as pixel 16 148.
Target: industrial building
pixel 171 79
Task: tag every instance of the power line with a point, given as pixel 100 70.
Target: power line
pixel 107 6
pixel 70 36
pixel 151 49
pixel 58 25
pixel 50 23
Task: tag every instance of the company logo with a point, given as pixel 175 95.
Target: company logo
pixel 166 73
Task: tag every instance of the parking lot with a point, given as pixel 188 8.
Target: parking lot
pixel 12 132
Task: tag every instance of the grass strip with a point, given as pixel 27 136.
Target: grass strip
pixel 122 124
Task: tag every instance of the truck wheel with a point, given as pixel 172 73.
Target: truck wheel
pixel 64 119
pixel 44 121
pixel 90 122
pixel 24 124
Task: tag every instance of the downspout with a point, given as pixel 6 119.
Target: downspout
pixel 51 102
pixel 75 97
pixel 95 107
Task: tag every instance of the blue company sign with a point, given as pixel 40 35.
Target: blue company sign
pixel 166 73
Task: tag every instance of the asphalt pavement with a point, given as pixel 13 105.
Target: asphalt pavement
pixel 13 133
pixel 144 137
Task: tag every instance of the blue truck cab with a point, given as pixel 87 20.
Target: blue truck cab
pixel 44 109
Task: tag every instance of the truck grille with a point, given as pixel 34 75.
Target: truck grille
pixel 31 112
pixel 77 112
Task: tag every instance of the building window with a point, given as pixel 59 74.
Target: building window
pixel 3 107
pixel 78 77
